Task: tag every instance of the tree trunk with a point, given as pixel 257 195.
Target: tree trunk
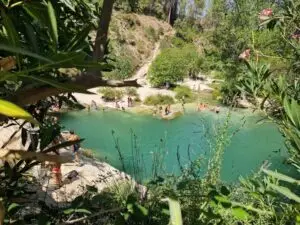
pixel 102 32
pixel 172 12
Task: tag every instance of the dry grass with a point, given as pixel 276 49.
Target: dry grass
pixel 129 37
pixel 88 153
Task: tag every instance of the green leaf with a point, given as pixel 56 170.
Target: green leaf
pixel 12 110
pixel 69 211
pixel 225 190
pixel 13 207
pixel 23 51
pixel 85 211
pixel 69 4
pixel 286 192
pixel 53 23
pixel 292 109
pixel 79 38
pixel 281 176
pixel 38 11
pixel 224 201
pixel 175 211
pixel 240 213
pixel 32 37
pixel 142 209
pixel 12 34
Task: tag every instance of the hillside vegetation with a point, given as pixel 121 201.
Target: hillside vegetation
pixel 132 39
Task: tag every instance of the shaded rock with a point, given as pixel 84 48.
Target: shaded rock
pixel 90 172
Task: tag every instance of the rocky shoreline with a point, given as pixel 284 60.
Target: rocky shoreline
pixel 90 172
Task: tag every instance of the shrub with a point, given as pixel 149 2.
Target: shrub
pixel 216 94
pixel 173 64
pixel 151 34
pixel 177 42
pixel 160 31
pixel 123 68
pixel 167 67
pixel 131 91
pixel 109 94
pixel 184 91
pixel 187 30
pixel 159 100
pixel 165 43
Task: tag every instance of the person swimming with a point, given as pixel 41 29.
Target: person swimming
pixel 201 107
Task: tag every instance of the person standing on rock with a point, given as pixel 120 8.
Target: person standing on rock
pixel 183 102
pixel 74 137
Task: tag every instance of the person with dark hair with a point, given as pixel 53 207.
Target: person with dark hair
pixel 74 137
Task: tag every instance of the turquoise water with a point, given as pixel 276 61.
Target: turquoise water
pixel 249 147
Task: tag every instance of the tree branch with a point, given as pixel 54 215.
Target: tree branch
pixel 32 95
pixel 13 135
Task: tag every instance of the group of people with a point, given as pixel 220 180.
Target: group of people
pixel 204 106
pixel 129 101
pixel 159 111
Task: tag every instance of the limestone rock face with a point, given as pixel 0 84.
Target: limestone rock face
pixel 90 172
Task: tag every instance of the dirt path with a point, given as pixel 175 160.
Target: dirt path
pixel 140 75
pixel 146 89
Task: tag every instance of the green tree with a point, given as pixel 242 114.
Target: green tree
pixel 174 64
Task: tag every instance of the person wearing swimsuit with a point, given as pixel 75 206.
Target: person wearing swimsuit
pixel 76 147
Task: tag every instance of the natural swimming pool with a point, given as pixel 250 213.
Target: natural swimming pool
pixel 190 135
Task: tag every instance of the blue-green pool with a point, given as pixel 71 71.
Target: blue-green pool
pixel 249 147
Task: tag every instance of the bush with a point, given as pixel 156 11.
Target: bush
pixel 165 43
pixel 177 42
pixel 131 91
pixel 184 91
pixel 110 94
pixel 173 64
pixel 152 34
pixel 159 100
pixel 123 68
pixel 160 31
pixel 187 30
